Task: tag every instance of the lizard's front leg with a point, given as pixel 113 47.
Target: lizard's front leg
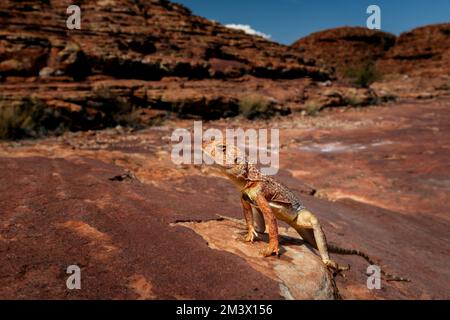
pixel 271 222
pixel 248 214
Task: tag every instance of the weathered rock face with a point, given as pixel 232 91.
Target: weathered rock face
pixel 139 62
pixel 345 48
pixel 134 39
pixel 422 52
pixel 129 55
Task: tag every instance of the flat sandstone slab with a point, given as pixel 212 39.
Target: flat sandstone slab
pixel 299 271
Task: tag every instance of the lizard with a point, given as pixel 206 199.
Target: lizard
pixel 264 201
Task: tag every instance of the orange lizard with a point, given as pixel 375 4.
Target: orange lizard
pixel 264 200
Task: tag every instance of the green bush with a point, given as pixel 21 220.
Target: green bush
pixel 116 110
pixel 31 118
pixel 445 86
pixel 363 76
pixel 253 106
pixel 312 108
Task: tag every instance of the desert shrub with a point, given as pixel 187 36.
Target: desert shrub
pixel 312 108
pixel 445 86
pixel 177 108
pixel 136 118
pixel 363 76
pixel 253 106
pixel 30 118
pixel 33 118
pixel 353 100
pixel 388 97
pixel 116 110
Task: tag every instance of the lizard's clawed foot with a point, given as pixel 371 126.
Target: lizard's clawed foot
pixel 335 268
pixel 270 250
pixel 251 235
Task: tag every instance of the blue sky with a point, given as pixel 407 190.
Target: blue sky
pixel 288 20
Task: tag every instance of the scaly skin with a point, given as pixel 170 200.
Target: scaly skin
pixel 264 200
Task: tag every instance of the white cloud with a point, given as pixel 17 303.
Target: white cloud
pixel 248 29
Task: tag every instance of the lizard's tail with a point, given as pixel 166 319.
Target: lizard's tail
pixel 344 251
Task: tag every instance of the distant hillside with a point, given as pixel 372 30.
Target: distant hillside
pixel 345 48
pixel 422 51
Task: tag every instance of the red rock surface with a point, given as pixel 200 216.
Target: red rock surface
pixel 345 48
pixel 145 40
pixel 160 57
pixel 423 52
pixel 153 55
pixel 114 203
pixel 151 60
pixel 380 177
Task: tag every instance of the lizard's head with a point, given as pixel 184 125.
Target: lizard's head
pixel 223 155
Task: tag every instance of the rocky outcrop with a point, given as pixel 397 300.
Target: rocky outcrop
pixel 346 48
pixel 139 61
pixel 145 40
pixel 300 273
pixel 423 52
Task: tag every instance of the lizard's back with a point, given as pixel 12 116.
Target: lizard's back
pixel 283 201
